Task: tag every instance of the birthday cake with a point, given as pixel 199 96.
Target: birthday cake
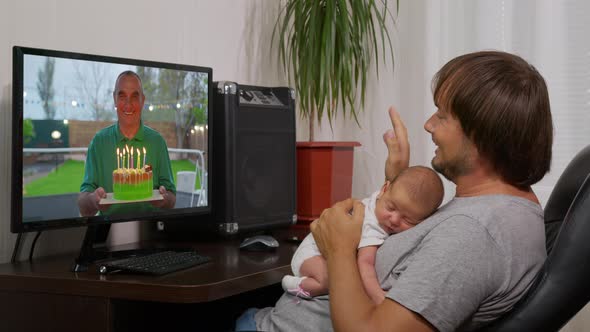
pixel 133 183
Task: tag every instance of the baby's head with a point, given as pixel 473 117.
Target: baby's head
pixel 412 196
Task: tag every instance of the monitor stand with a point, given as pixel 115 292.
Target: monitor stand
pixel 87 253
pixel 94 248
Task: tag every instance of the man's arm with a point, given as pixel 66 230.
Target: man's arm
pixel 337 235
pixel 366 262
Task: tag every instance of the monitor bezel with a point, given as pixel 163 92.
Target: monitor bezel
pixel 17 225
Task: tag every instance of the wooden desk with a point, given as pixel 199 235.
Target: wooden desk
pixel 45 296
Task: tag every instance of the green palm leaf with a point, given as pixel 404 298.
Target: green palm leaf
pixel 326 48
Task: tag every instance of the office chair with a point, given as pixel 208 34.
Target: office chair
pixel 562 287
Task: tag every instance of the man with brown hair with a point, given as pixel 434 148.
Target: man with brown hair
pixel 472 260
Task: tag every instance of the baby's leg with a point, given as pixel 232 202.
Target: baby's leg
pixel 316 271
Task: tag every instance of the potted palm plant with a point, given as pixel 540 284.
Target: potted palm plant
pixel 326 47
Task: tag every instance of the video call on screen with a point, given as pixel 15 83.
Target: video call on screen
pixel 66 101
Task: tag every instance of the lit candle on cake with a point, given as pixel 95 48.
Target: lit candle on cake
pixel 138 153
pixel 127 155
pixel 131 158
pixel 144 156
pixel 117 158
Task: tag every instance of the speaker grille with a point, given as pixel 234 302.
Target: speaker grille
pixel 263 174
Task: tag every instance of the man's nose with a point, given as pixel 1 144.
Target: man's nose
pixel 429 125
pixel 124 107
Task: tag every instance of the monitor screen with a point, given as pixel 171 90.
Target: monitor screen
pixel 100 139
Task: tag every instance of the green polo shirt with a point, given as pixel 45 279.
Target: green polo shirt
pixel 101 160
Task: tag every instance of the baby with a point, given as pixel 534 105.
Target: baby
pixel 400 205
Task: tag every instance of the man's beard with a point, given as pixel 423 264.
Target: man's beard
pixel 462 164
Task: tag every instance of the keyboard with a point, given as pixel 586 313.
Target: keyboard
pixel 158 263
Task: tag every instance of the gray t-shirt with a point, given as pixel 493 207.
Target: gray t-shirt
pixel 459 269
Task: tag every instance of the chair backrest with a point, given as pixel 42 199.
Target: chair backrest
pixel 185 181
pixel 562 287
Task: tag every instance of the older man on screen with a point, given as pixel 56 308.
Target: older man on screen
pixel 129 131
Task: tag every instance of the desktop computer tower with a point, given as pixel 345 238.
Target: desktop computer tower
pixel 254 158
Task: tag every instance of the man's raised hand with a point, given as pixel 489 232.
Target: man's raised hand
pixel 398 146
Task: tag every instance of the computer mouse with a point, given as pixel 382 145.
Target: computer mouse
pixel 259 243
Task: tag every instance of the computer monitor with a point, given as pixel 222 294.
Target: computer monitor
pixel 61 100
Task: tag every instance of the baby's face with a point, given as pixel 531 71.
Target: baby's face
pixel 395 211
